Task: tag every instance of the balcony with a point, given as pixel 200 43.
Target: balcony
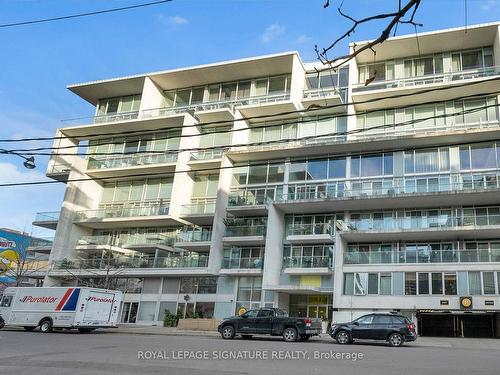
pixel 323 97
pixel 41 244
pixel 196 239
pixel 122 165
pixel 140 241
pixel 205 159
pixel 200 212
pixel 271 104
pixel 127 215
pixel 310 233
pixel 59 170
pixel 307 264
pixel 438 227
pixel 253 200
pixel 432 191
pixel 242 266
pixel 47 220
pixel 129 266
pixel 423 255
pixel 412 85
pixel 250 234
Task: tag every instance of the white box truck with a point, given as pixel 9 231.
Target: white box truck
pixel 60 307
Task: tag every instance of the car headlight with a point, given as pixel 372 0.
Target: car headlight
pixel 333 327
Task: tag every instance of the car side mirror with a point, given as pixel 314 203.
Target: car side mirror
pixel 356 323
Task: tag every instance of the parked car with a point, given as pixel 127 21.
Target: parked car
pixel 393 328
pixel 270 321
pixel 2 322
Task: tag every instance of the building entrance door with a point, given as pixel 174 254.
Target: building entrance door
pixel 129 312
pixel 456 325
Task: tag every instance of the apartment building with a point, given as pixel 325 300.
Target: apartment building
pixel 261 182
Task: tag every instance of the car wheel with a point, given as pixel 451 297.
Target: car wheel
pixel 46 326
pixel 290 334
pixel 343 337
pixel 246 337
pixel 227 332
pixel 304 337
pixel 395 339
pixel 29 329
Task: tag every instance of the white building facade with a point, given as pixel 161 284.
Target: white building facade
pixel 261 182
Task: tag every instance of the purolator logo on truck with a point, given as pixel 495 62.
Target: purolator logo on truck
pixel 98 299
pixel 31 299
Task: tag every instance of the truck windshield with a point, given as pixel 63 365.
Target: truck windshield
pixel 6 301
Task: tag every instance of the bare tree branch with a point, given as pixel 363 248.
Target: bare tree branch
pixel 396 18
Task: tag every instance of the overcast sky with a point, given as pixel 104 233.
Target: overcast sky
pixel 38 61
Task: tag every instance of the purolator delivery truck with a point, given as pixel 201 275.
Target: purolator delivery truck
pixel 81 308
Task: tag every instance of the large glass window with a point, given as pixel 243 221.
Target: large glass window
pixel 474 283
pixel 489 283
pixel 423 283
pixel 410 283
pixel 450 283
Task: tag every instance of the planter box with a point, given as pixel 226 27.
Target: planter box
pixel 198 324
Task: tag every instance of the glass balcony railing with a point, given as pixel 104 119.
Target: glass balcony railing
pixel 320 93
pixel 41 242
pixel 309 229
pixel 47 216
pixel 205 155
pixel 132 160
pixel 200 261
pixel 144 209
pixel 254 196
pixel 243 263
pixel 419 223
pixel 429 79
pixel 60 167
pixel 103 118
pixel 391 187
pixel 194 236
pixel 245 230
pixel 205 207
pixel 105 240
pixel 265 99
pixel 319 261
pixel 426 255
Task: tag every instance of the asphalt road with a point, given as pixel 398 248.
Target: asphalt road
pixel 116 353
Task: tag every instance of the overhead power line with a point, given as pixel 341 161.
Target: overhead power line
pixel 281 141
pixel 307 120
pixel 78 15
pixel 263 163
pixel 302 112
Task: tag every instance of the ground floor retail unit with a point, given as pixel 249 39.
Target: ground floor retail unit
pixel 459 324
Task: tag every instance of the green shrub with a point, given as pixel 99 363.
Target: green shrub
pixel 170 320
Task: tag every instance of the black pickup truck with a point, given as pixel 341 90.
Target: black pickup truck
pixel 270 321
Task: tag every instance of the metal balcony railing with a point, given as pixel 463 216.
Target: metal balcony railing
pixel 194 236
pixel 254 196
pixel 205 155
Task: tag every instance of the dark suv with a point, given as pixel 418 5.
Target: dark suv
pixel 393 328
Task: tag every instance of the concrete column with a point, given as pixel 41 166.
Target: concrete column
pixel 338 262
pixel 274 247
pixel 152 96
pixel 218 228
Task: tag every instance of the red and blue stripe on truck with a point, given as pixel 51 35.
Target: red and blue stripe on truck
pixel 69 300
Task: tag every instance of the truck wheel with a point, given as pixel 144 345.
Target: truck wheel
pixel 29 329
pixel 46 326
pixel 343 337
pixel 395 339
pixel 246 337
pixel 228 333
pixel 290 334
